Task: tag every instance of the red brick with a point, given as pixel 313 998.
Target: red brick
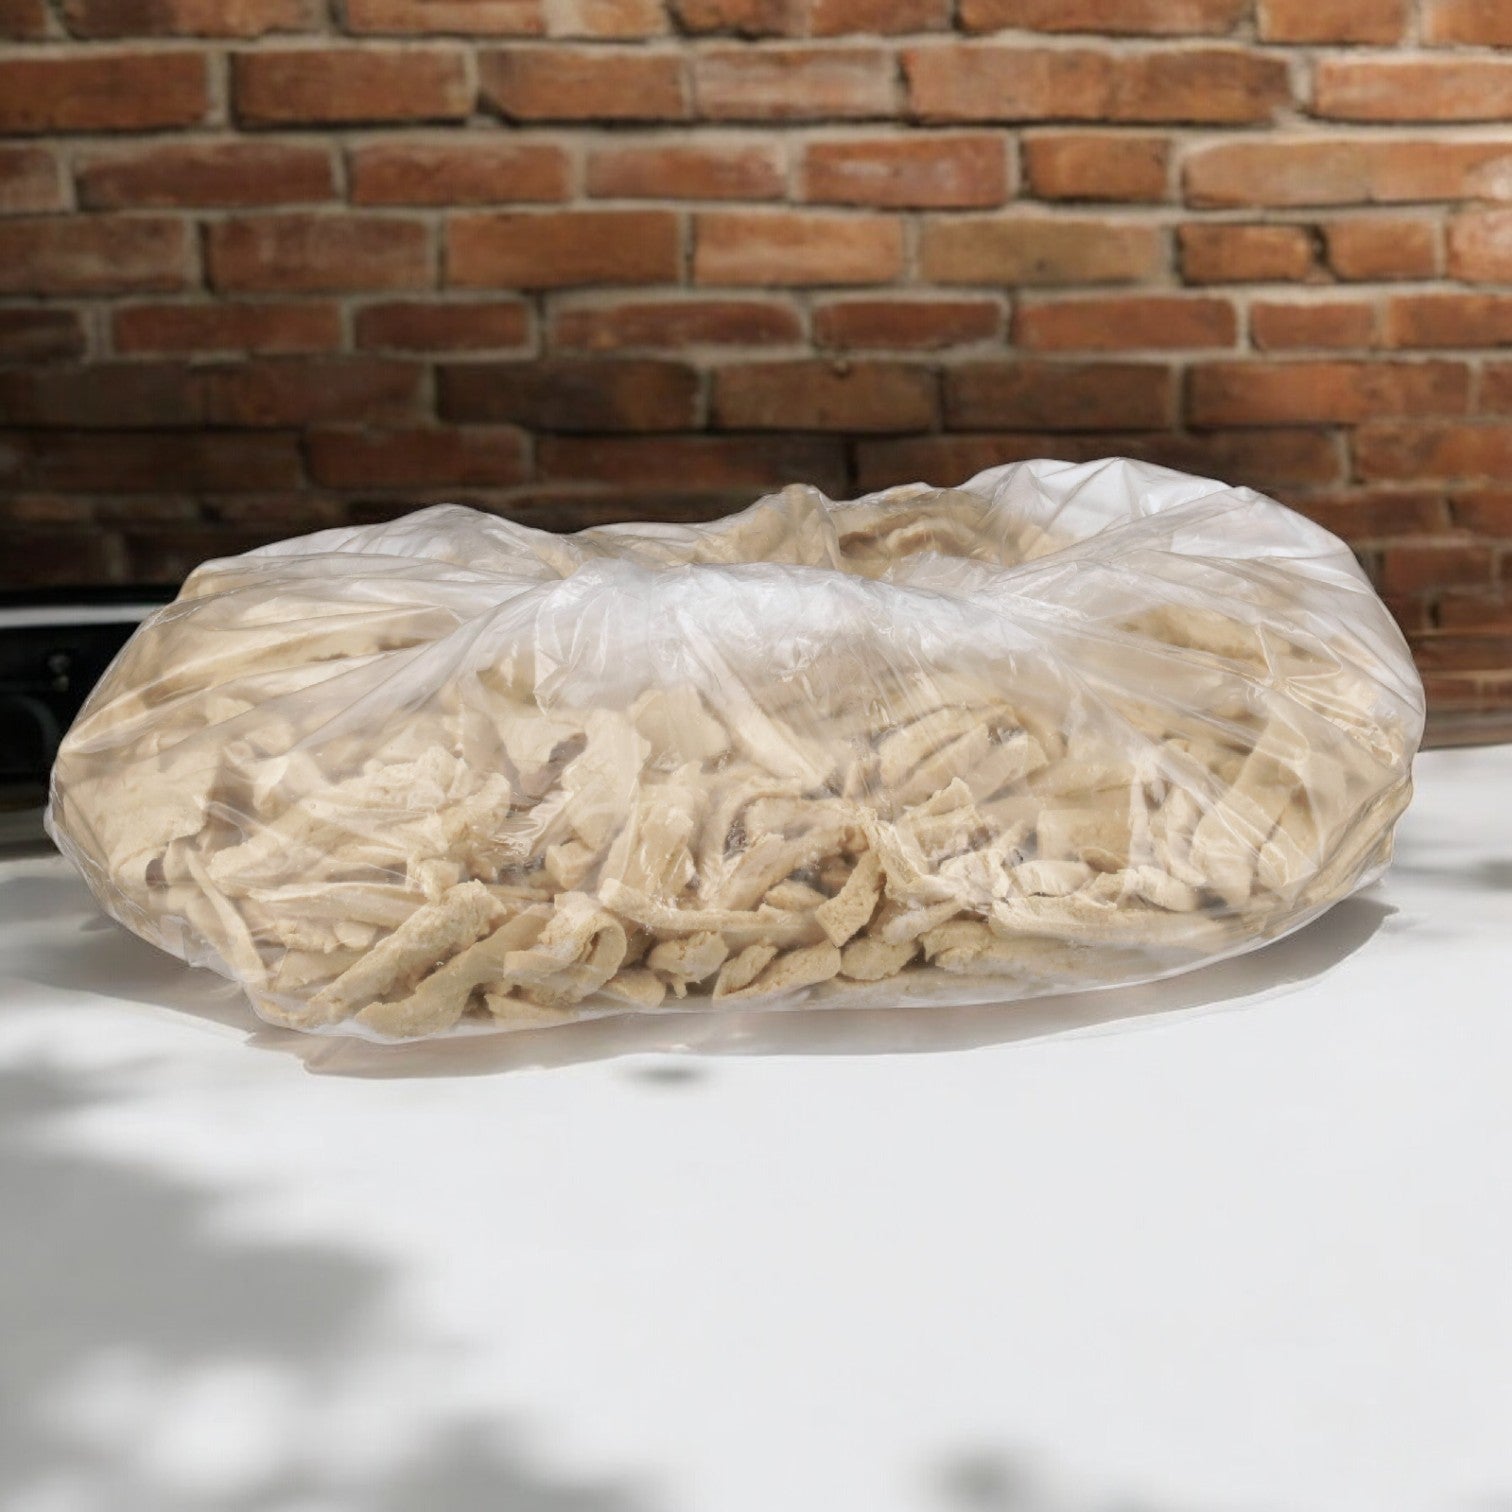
pixel 550 250
pixel 1346 171
pixel 112 396
pixel 1488 514
pixel 793 83
pixel 825 396
pixel 312 254
pixel 1492 610
pixel 1434 564
pixel 1125 324
pixel 565 394
pixel 672 324
pixel 25 20
pixel 1496 388
pixel 836 18
pixel 169 556
pixel 1282 393
pixel 582 84
pixel 907 324
pixel 1246 254
pixel 989 82
pixel 1058 396
pixel 334 85
pixel 795 248
pixel 935 171
pixel 1404 89
pixel 288 392
pixel 452 172
pixel 1257 458
pixel 110 91
pixel 40 335
pixel 1039 249
pixel 196 329
pixel 1169 17
pixel 1335 323
pixel 714 462
pixel 1097 166
pixel 467 18
pixel 482 457
pixel 191 18
pixel 687 170
pixel 606 19
pixel 94 255
pixel 1332 20
pixel 207 173
pixel 1413 450
pixel 32 558
pixel 1369 514
pixel 144 462
pixel 29 181
pixel 1483 23
pixel 742 18
pixel 1447 651
pixel 1382 250
pixel 1480 246
pixel 473 326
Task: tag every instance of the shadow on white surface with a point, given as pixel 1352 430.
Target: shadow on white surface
pixel 76 949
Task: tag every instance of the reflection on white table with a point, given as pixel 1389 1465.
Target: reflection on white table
pixel 1235 1241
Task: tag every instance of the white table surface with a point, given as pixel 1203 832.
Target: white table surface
pixel 1240 1241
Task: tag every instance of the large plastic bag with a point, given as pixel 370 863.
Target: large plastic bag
pixel 1061 727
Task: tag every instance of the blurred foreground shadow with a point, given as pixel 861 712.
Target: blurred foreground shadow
pixel 73 947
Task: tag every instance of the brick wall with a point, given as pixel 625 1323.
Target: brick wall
pixel 270 264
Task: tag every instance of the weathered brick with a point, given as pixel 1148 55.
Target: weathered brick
pixel 372 390
pixel 171 174
pixel 582 84
pixel 606 19
pixel 1058 396
pixel 451 172
pixel 111 91
pixel 1282 393
pixel 1345 171
pixel 1127 323
pixel 191 18
pixel 1411 450
pixel 742 18
pixel 335 85
pixel 1261 459
pixel 673 324
pixel 169 461
pixel 743 462
pixel 1336 323
pixel 1480 246
pixel 94 255
pixel 313 254
pixel 169 556
pixel 837 18
pixel 793 83
pixel 1413 89
pixel 1450 651
pixel 24 20
pixel 41 335
pixel 1434 564
pixel 906 324
pixel 1483 23
pixel 1381 250
pixel 1246 254
pixel 112 396
pixel 825 396
pixel 414 457
pixel 1448 320
pixel 33 558
pixel 1496 388
pixel 988 82
pixel 1097 166
pixel 795 248
pixel 1491 609
pixel 687 170
pixel 566 394
pixel 416 326
pixel 468 18
pixel 1332 20
pixel 30 182
pixel 558 249
pixel 935 171
pixel 1369 514
pixel 1486 513
pixel 198 329
pixel 1039 249
pixel 1169 17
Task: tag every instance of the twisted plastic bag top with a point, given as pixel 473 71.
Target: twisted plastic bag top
pixel 1063 726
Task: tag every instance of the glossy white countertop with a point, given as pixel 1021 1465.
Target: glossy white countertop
pixel 1241 1242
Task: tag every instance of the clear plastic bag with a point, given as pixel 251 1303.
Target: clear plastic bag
pixel 1061 727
